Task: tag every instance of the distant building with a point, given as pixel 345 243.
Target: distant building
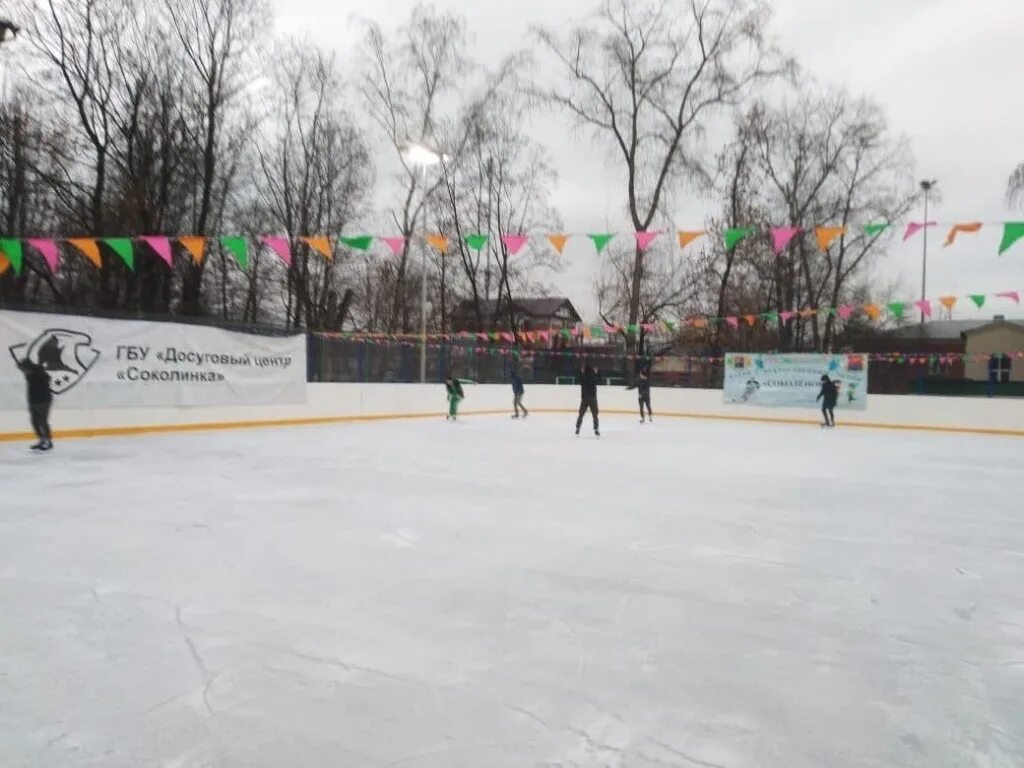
pixel 543 314
pixel 998 345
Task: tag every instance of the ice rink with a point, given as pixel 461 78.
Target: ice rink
pixel 500 594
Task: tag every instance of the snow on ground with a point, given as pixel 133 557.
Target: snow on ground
pixel 497 594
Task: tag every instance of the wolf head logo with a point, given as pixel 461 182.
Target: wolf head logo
pixel 66 355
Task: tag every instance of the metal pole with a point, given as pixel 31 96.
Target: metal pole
pixel 924 256
pixel 423 302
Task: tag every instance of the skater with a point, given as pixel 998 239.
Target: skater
pixel 518 390
pixel 39 401
pixel 455 396
pixel 829 396
pixel 643 390
pixel 589 379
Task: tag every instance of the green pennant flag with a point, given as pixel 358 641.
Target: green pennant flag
pixel 631 329
pixel 358 242
pixel 771 316
pixel 601 241
pixel 873 229
pixel 476 242
pixel 897 308
pixel 978 299
pixel 122 246
pixel 239 248
pixel 1012 232
pixel 733 236
pixel 597 330
pixel 670 326
pixel 12 249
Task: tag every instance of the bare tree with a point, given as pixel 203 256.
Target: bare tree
pixel 646 78
pixel 1015 186
pixel 314 173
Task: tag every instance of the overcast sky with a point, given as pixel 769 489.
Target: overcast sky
pixel 948 72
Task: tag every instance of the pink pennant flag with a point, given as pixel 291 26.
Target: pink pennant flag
pixel 280 246
pixel 845 311
pixel 49 250
pixel 733 321
pixel 161 246
pixel 515 243
pixel 916 226
pixel 787 316
pixel 611 329
pixel 650 327
pixel 783 236
pixel 644 239
pixel 396 244
pixel 1013 296
pixel 508 337
pixel 925 307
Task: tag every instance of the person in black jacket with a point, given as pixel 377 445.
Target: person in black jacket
pixel 518 390
pixel 829 396
pixel 589 379
pixel 643 389
pixel 39 401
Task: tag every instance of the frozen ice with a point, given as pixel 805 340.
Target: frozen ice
pixel 499 593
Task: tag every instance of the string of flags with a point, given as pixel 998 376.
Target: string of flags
pixel 12 250
pixel 871 311
pixel 517 354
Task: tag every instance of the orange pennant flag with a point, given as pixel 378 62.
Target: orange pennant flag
pixel 439 242
pixel 873 311
pixel 558 241
pixel 751 320
pixel 89 248
pixel 196 246
pixel 700 322
pixel 808 312
pixel 827 234
pixel 948 302
pixel 971 226
pixel 4 264
pixel 321 245
pixel 685 238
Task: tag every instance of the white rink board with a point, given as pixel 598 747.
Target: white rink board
pixel 501 594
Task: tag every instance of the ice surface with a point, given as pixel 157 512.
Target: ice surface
pixel 496 594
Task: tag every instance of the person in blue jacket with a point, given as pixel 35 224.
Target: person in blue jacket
pixel 518 390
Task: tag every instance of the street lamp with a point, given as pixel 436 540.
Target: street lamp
pixel 926 187
pixel 423 157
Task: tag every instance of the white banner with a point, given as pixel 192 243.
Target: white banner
pixel 795 380
pixel 96 363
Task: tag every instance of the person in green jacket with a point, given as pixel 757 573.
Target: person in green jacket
pixel 455 395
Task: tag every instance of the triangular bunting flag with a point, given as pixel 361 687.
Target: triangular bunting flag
pixel 239 249
pixel 782 236
pixel 1013 296
pixel 558 241
pixel 873 311
pixel 601 240
pixel 751 320
pixel 914 227
pixel 1012 232
pixel 787 315
pixel 644 239
pixel 50 251
pixel 956 229
pixel 978 299
pixel 280 246
pixel 948 302
pixel 476 242
pixel 875 229
pixel 161 246
pixel 122 246
pixel 687 237
pixel 925 307
pixel 4 264
pixel 827 235
pixel 357 242
pixel 897 308
pixel 396 244
pixel 845 311
pixel 733 322
pixel 322 245
pixel 88 248
pixel 734 235
pixel 196 246
pixel 12 250
pixel 438 243
pixel 514 243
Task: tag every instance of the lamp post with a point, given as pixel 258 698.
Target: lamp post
pixel 422 157
pixel 926 187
